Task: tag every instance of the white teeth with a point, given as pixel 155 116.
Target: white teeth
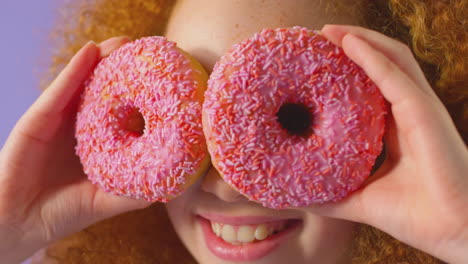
pixel 245 234
pixel 216 227
pixel 261 232
pixel 228 233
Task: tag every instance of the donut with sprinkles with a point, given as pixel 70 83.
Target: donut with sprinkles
pixel 291 121
pixel 139 132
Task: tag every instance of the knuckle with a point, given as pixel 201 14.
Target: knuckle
pixel 387 70
pixel 46 226
pixel 404 49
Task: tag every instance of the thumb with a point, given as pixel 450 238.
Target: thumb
pixel 364 205
pixel 350 209
pixel 83 203
pixel 99 204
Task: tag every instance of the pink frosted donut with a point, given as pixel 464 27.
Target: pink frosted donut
pixel 139 127
pixel 291 121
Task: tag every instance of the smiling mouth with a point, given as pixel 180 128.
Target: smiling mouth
pixel 243 234
pixel 246 238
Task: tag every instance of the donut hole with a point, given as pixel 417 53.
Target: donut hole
pixel 296 119
pixel 130 120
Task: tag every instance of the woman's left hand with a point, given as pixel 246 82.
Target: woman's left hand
pixel 420 193
pixel 44 193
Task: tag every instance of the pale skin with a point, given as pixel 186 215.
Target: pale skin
pixel 418 195
pixel 207 29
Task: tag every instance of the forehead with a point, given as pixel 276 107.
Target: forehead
pixel 207 29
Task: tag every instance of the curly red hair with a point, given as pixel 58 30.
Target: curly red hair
pixel 435 30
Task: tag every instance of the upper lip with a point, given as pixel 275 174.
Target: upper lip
pixel 241 220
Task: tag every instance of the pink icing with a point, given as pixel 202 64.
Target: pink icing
pixel 258 157
pixel 152 76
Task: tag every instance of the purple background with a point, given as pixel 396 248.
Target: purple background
pixel 25 28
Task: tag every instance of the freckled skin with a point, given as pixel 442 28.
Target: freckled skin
pixel 207 35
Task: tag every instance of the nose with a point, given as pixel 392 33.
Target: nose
pixel 214 184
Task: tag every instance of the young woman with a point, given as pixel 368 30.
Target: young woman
pixel 418 195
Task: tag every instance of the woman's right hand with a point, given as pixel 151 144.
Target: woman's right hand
pixel 44 193
pixel 419 194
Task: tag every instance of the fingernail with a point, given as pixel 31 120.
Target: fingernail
pixel 91 42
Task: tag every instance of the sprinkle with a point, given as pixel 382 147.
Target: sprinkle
pixel 284 65
pixel 154 165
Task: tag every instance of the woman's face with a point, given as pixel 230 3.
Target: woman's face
pixel 207 29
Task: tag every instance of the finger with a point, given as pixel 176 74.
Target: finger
pixel 55 98
pixel 80 204
pixel 109 45
pixel 350 209
pixel 410 105
pixel 65 88
pixel 422 122
pixel 43 118
pixel 98 204
pixel 394 50
pixel 356 206
pixel 366 204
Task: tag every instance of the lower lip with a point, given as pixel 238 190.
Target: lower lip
pixel 246 252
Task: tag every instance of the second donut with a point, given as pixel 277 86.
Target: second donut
pixel 290 120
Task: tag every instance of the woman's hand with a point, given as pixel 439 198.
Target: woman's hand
pixel 44 194
pixel 420 193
